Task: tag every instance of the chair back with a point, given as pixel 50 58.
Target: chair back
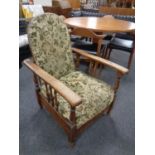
pixel 50 44
pixel 95 38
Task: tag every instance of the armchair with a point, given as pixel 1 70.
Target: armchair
pixel 73 98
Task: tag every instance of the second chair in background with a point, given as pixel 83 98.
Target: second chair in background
pixel 124 43
pixel 93 46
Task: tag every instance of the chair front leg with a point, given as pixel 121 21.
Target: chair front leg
pixel 72 134
pixel 116 86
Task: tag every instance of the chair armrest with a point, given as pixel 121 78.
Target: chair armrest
pixel 100 60
pixel 64 91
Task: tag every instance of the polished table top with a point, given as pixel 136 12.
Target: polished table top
pixel 101 24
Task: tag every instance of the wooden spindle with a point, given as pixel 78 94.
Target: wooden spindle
pixel 37 90
pixel 47 91
pixel 55 100
pixel 51 97
pixel 39 81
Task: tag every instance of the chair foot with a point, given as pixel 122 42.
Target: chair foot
pixel 108 112
pixel 109 109
pixel 71 144
pixel 71 139
pixel 40 104
pixel 41 107
pixel 38 100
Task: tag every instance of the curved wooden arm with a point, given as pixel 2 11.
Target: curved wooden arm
pixel 63 90
pixel 100 60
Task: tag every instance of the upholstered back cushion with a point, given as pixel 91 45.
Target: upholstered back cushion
pixel 50 44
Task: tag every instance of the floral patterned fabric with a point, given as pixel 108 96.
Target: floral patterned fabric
pixel 96 96
pixel 50 44
pixel 51 47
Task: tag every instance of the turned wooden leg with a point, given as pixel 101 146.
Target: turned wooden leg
pixel 71 139
pixel 72 133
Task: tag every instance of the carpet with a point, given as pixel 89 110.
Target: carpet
pixel 110 135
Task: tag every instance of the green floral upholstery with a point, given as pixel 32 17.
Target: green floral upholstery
pixel 50 44
pixel 96 96
pixel 51 49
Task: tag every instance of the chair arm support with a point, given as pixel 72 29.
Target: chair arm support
pixel 64 91
pixel 100 60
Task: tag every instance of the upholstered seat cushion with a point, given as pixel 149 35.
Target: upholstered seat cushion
pixel 96 96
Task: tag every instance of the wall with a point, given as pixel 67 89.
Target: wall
pixel 43 2
pixel 75 3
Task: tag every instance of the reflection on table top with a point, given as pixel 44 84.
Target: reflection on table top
pixel 101 24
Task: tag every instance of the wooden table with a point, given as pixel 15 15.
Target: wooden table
pixel 101 24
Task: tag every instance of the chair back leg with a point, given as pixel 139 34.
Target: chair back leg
pixel 107 53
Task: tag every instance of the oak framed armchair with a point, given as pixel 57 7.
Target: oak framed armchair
pixel 73 98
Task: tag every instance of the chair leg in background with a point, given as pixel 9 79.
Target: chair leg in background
pixel 130 59
pixel 108 53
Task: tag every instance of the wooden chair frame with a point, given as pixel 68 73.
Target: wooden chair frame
pixel 54 87
pixel 96 38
